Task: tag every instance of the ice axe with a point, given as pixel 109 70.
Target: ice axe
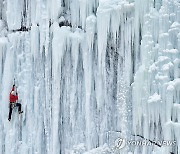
pixel 14 84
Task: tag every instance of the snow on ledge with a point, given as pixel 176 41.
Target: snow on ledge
pixel 100 150
pixel 154 98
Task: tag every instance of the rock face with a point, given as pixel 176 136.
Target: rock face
pixel 88 72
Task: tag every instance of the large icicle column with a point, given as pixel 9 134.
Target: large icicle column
pixel 88 72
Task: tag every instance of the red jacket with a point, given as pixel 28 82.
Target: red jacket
pixel 13 98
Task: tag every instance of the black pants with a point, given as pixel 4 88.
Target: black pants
pixel 11 108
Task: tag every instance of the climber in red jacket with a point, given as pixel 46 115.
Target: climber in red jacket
pixel 13 98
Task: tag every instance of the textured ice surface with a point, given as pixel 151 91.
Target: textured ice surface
pixel 88 72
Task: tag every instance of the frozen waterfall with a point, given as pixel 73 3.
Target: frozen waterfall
pixel 89 72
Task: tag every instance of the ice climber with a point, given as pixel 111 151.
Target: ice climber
pixel 13 98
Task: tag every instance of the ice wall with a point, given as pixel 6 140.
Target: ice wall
pixel 67 73
pixel 156 82
pixel 89 71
